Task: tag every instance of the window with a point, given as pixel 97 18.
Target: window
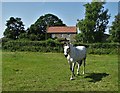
pixel 62 35
pixel 69 35
pixel 53 35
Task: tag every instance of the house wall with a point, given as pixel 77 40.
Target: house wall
pixel 67 36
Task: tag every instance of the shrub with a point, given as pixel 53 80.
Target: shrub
pixel 34 46
pixel 103 48
pixel 55 46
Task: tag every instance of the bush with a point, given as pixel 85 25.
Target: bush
pixel 104 48
pixel 55 46
pixel 34 46
pixel 101 48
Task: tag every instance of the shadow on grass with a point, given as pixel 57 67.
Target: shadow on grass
pixel 96 77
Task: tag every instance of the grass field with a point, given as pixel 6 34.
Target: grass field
pixel 33 71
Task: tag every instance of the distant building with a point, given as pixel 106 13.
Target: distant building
pixel 65 32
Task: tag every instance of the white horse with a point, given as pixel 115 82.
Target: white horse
pixel 73 55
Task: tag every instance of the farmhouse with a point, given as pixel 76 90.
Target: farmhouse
pixel 65 32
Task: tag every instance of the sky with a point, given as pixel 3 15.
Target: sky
pixel 29 12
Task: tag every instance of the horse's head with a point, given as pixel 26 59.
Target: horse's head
pixel 66 49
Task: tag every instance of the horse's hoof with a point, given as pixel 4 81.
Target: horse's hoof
pixel 78 74
pixel 71 78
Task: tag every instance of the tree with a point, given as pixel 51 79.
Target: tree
pixel 79 38
pixel 40 26
pixel 115 30
pixel 93 26
pixel 14 28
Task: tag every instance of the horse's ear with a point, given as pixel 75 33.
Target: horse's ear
pixel 69 43
pixel 65 44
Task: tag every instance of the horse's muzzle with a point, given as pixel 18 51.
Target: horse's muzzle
pixel 66 55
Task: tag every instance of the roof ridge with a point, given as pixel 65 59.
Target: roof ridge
pixel 62 29
pixel 62 26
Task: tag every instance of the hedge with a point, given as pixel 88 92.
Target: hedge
pixel 55 46
pixel 101 48
pixel 34 46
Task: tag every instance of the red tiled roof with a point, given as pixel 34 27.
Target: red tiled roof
pixel 62 29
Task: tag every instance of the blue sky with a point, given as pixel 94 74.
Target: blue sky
pixel 68 12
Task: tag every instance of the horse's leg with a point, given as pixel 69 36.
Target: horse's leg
pixel 84 66
pixel 79 64
pixel 72 66
pixel 71 69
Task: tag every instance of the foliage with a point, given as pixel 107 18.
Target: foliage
pixel 95 22
pixel 23 36
pixel 37 31
pixel 15 27
pixel 104 48
pixel 39 28
pixel 55 46
pixel 79 37
pixel 34 46
pixel 35 71
pixel 115 30
pixel 101 48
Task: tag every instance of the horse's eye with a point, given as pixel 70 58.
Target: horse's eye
pixel 68 49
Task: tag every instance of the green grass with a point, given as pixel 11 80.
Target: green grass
pixel 33 71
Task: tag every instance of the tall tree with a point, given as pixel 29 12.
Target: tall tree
pixel 115 29
pixel 40 26
pixel 14 28
pixel 96 19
